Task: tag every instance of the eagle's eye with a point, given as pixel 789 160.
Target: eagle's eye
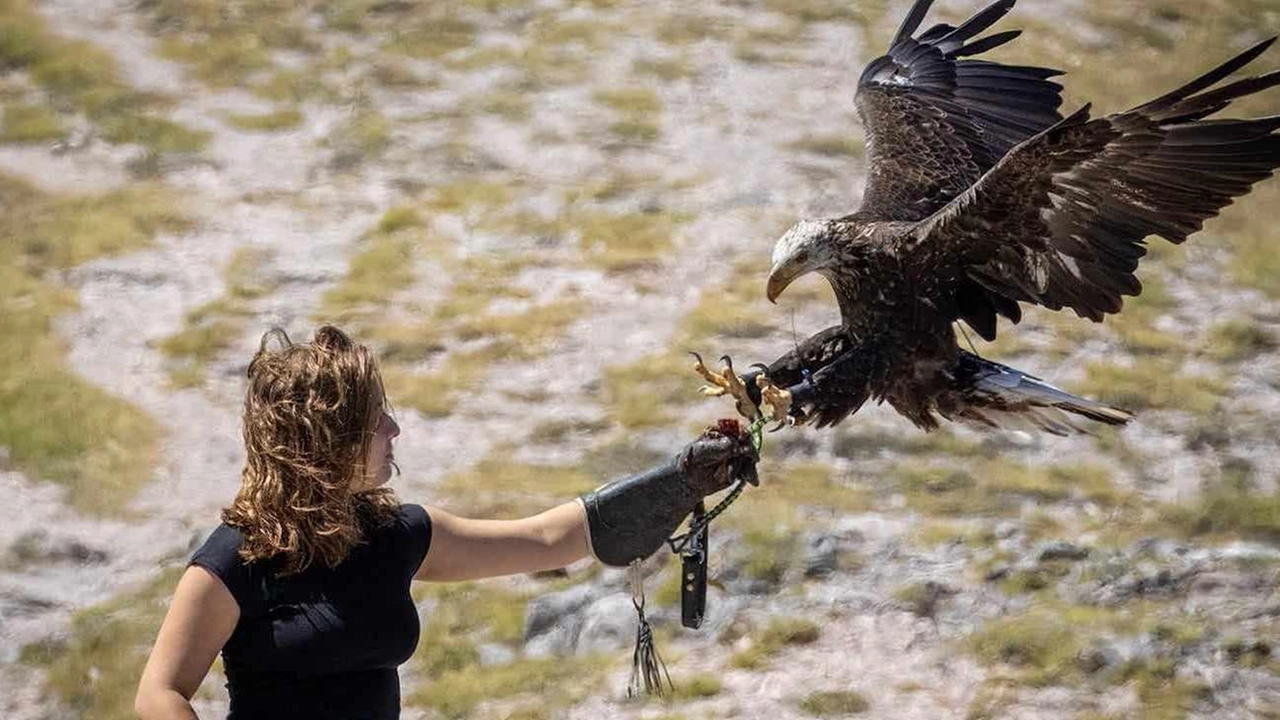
pixel 802 257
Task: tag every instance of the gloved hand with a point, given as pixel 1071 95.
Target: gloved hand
pixel 716 460
pixel 630 518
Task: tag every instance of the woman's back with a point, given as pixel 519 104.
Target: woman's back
pixel 324 642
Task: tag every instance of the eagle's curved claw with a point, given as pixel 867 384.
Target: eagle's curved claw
pixel 726 382
pixel 778 400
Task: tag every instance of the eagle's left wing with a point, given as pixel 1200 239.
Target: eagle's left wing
pixel 1061 220
pixel 936 119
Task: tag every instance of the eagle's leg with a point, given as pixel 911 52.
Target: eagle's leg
pixel 727 382
pixel 778 399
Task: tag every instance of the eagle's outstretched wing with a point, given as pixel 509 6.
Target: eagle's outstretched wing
pixel 935 122
pixel 1061 220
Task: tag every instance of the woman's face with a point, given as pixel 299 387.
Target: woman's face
pixel 379 462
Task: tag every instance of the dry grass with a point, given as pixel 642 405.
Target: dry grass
pixel 768 641
pixel 213 327
pixel 227 46
pixel 81 76
pixel 646 392
pixel 834 703
pixel 55 425
pixel 363 137
pixel 1149 384
pixel 94 671
pixel 997 487
pixel 275 121
pixel 618 242
pixel 30 124
pixel 467 613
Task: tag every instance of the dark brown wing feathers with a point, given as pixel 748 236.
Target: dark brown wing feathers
pixel 936 122
pixel 1061 221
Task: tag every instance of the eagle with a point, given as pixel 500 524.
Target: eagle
pixel 982 196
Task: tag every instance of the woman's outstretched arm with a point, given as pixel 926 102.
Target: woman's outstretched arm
pixel 466 549
pixel 199 621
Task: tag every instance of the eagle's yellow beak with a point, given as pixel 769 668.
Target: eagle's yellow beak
pixel 779 278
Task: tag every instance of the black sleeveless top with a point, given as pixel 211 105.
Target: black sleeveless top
pixel 322 644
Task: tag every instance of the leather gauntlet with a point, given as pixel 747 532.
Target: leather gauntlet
pixel 629 518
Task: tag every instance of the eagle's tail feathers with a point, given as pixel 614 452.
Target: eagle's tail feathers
pixel 996 395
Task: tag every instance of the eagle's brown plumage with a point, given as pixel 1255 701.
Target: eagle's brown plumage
pixel 981 197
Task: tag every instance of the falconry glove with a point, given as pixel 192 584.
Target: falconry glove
pixel 630 518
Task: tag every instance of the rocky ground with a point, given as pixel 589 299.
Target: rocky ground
pixel 531 209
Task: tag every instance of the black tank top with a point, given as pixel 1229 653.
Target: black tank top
pixel 322 644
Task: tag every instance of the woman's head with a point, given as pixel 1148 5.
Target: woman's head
pixel 318 447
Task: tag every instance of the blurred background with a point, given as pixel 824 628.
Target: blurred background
pixel 532 209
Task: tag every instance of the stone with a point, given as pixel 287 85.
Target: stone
pixel 607 624
pixel 548 611
pixel 1059 550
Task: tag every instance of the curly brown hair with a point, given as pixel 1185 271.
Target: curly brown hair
pixel 309 415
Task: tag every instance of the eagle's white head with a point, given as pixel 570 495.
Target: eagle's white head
pixel 807 247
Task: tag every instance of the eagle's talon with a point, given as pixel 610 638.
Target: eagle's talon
pixel 726 382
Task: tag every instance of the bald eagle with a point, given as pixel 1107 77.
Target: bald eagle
pixel 981 196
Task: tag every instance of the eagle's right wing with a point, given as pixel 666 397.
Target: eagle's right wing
pixel 935 122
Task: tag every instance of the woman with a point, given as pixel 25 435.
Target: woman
pixel 304 587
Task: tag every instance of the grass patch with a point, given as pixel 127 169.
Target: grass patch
pixel 530 330
pixel 470 197
pixel 465 613
pixel 1047 645
pixel 399 218
pixel 1150 384
pixel 213 327
pixel 999 488
pixel 94 672
pixel 433 35
pixel 637 131
pixel 226 47
pixel 630 101
pixel 814 10
pixel 622 242
pixel 694 687
pixel 84 77
pixel 1239 340
pixel 932 533
pixel 457 693
pixel 665 69
pixel 732 310
pixel 1227 511
pixel 834 703
pixel 646 393
pixel 830 146
pixel 767 642
pixel 364 136
pixel 1248 229
pixel 382 266
pixel 638 112
pixel 865 445
pixel 266 122
pixel 498 486
pixel 31 124
pixel 56 426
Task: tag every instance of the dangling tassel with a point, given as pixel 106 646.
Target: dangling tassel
pixel 646 665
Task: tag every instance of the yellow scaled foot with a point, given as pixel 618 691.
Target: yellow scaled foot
pixel 726 382
pixel 778 400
